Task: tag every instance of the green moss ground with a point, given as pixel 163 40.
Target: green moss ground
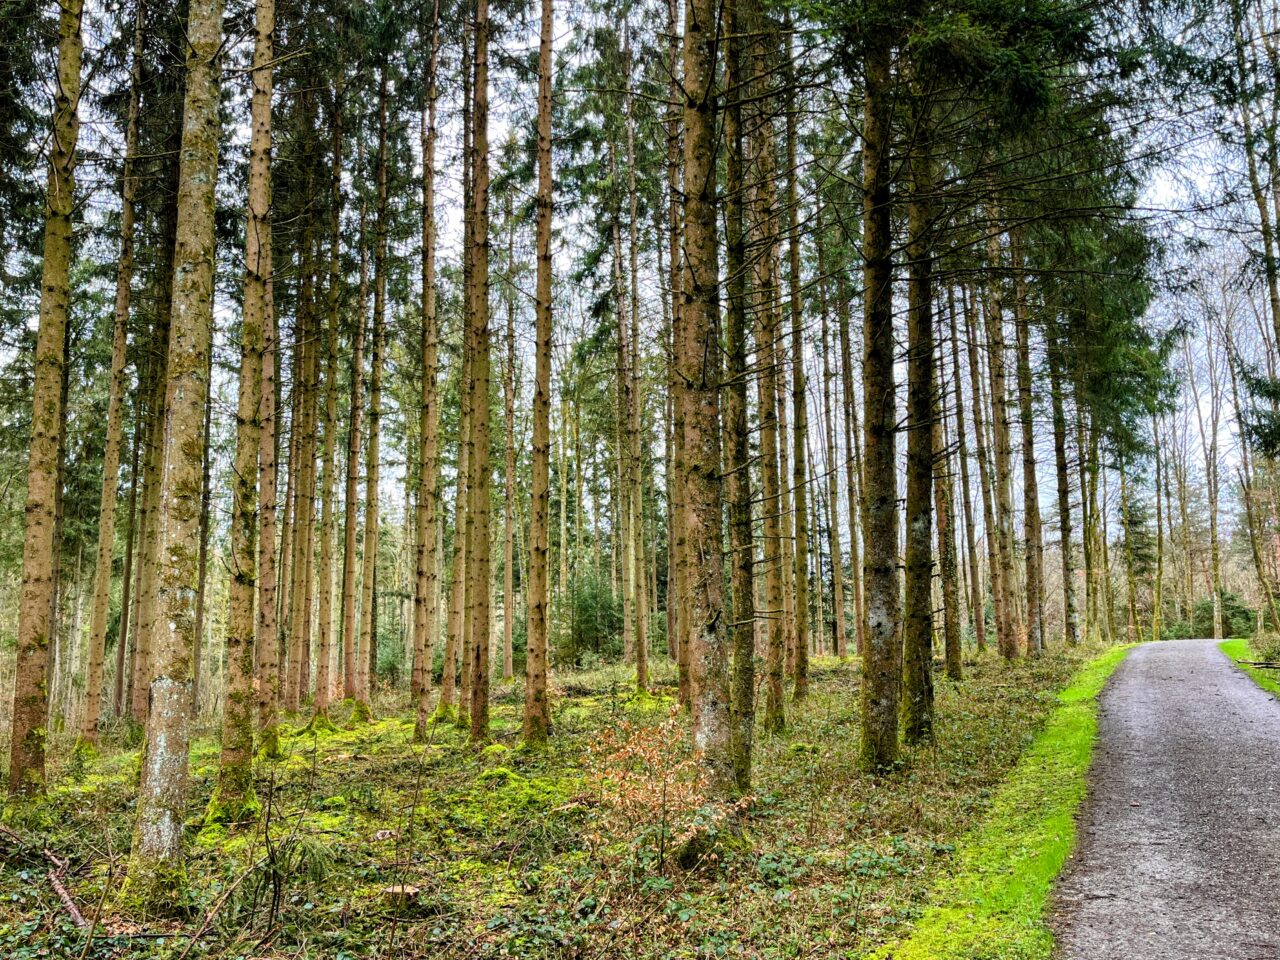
pixel 369 845
pixel 990 904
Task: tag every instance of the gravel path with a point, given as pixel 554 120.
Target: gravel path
pixel 1178 853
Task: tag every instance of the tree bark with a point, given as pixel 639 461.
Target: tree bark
pixel 799 405
pixel 369 573
pixel 478 567
pixel 917 620
pixel 880 668
pixel 111 452
pixel 537 707
pixel 1007 618
pixel 697 458
pixel 39 561
pixel 737 457
pixel 156 870
pixel 839 633
pixel 329 454
pixel 977 596
pixel 427 582
pixel 1071 614
pixel 233 797
pixel 1033 538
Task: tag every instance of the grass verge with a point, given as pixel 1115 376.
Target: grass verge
pixel 1239 651
pixel 992 905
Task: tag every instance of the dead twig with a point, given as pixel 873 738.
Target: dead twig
pixel 55 880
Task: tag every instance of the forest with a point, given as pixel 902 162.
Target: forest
pixel 612 478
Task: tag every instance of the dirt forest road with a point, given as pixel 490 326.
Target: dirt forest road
pixel 1178 850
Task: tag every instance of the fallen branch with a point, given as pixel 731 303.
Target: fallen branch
pixel 55 880
pixel 1265 664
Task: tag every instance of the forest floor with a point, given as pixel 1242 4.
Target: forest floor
pixel 1176 858
pixel 373 846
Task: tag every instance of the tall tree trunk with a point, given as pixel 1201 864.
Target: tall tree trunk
pixel 1032 536
pixel 233 798
pixel 288 541
pixel 351 500
pixel 758 133
pixel 266 655
pixel 1130 578
pixel 126 579
pixel 115 394
pixel 799 399
pixel 635 486
pixel 478 568
pixel 509 423
pixel 981 449
pixel 840 635
pixel 369 573
pixel 537 707
pixel 302 466
pixel 1209 447
pixel 154 461
pixel 329 454
pixel 156 866
pixel 917 614
pixel 977 596
pixel 1007 618
pixel 948 569
pixel 427 581
pixel 737 456
pixel 1070 613
pixel 202 562
pixel 853 460
pixel 623 542
pixel 697 461
pixel 39 560
pixel 880 668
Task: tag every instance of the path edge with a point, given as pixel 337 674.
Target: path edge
pixel 992 903
pixel 1238 650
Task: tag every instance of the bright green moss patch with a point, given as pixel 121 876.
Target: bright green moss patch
pixel 1240 651
pixel 991 904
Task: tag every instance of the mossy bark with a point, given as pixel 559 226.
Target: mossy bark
pixel 39 560
pixel 156 873
pixel 235 770
pixel 115 396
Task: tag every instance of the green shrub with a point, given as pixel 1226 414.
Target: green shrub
pixel 1238 620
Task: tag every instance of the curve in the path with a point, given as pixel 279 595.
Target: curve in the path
pixel 1178 848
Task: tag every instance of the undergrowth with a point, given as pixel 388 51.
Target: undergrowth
pixel 369 845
